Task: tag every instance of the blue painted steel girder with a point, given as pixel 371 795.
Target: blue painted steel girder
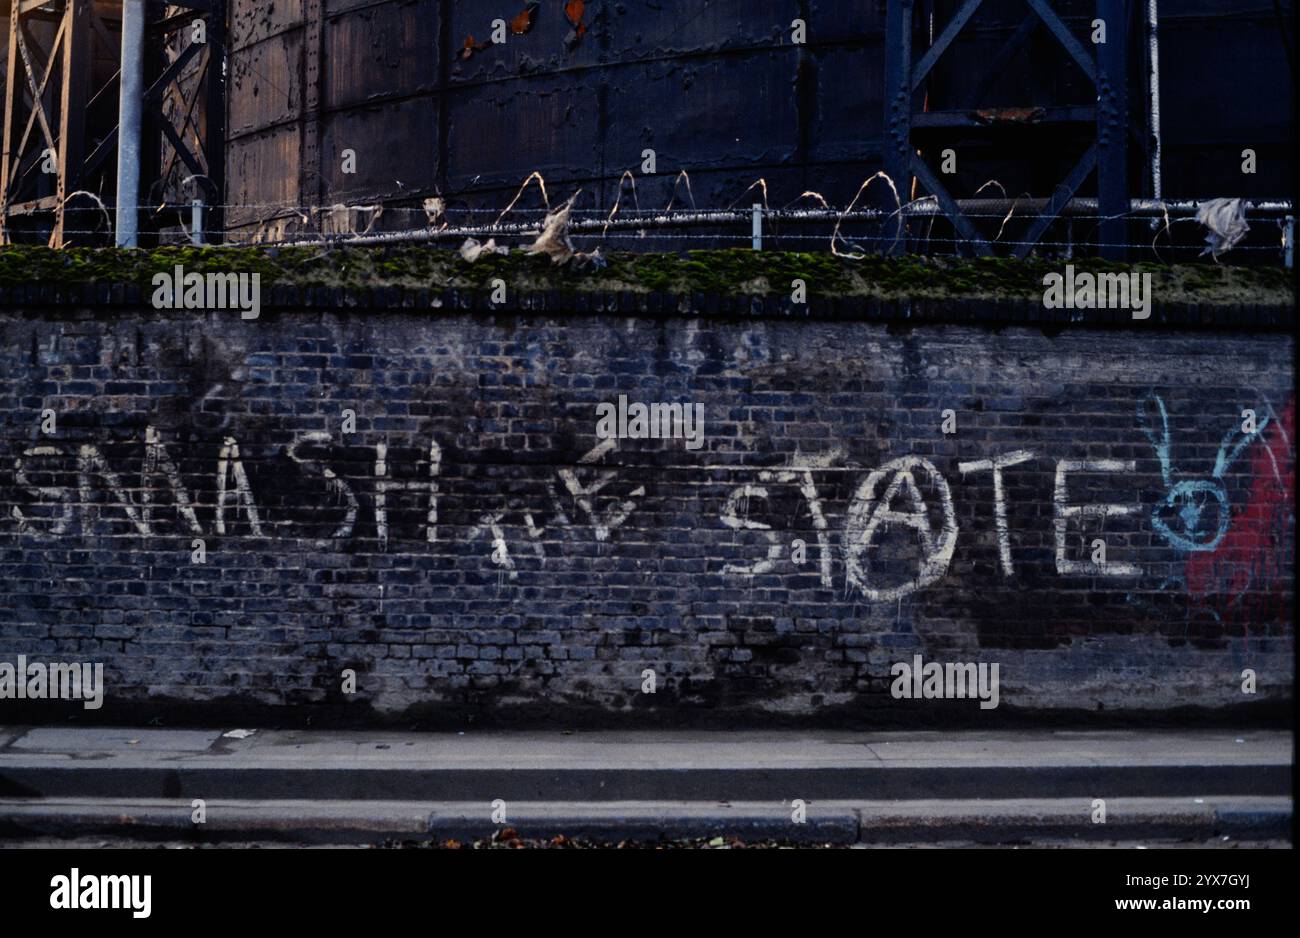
pixel 1108 154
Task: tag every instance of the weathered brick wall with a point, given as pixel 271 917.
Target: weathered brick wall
pixel 497 561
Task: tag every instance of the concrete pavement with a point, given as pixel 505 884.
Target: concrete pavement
pixel 331 786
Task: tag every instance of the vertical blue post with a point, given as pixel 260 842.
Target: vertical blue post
pixel 1112 128
pixel 897 155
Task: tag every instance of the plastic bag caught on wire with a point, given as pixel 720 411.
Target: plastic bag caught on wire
pixel 1226 221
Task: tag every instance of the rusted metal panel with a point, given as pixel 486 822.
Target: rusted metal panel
pixel 848 91
pixel 617 36
pixel 716 88
pixel 549 124
pixel 840 22
pixel 254 21
pixel 262 174
pixel 651 29
pixel 309 168
pixel 514 108
pixel 381 51
pixel 731 111
pixel 333 7
pixel 1206 127
pixel 266 84
pixel 393 144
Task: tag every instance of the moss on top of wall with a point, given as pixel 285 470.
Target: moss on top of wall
pixel 725 272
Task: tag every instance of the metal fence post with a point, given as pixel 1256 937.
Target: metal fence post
pixel 196 221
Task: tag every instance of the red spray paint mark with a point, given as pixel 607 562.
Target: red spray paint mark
pixel 1245 579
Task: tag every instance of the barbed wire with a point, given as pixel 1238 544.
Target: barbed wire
pixel 658 224
pixel 1271 207
pixel 337 223
pixel 775 215
pixel 682 236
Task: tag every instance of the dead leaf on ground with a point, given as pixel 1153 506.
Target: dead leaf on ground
pixel 469 47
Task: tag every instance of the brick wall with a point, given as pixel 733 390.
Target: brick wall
pixel 472 550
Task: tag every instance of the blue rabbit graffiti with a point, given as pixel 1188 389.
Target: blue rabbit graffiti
pixel 1183 517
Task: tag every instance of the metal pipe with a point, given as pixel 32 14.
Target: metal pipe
pixel 1080 206
pixel 1153 54
pixel 129 108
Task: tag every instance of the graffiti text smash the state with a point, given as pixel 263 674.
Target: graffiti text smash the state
pixel 905 500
